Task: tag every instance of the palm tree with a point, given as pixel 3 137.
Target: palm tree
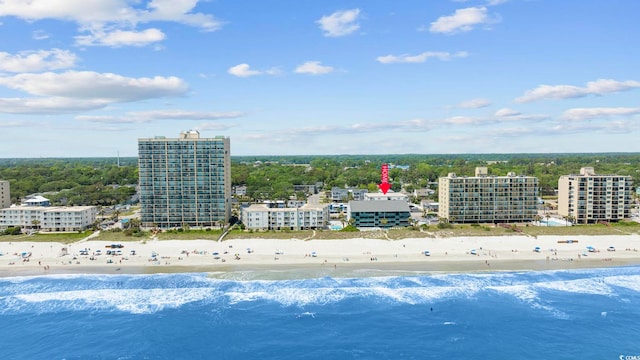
pixel 537 218
pixel 412 222
pixel 35 223
pixel 116 215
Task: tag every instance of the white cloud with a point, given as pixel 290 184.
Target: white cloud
pixel 155 115
pixel 340 23
pixel 474 104
pixel 80 11
pixel 118 38
pixel 49 105
pixel 34 61
pixel 312 131
pixel 15 124
pixel 461 120
pixel 511 132
pixel 93 85
pixel 39 35
pixel 506 112
pixel 313 68
pixel 74 91
pixel 213 126
pixel 610 127
pixel 385 127
pixel 510 115
pixel 179 11
pixel 420 58
pixel 578 114
pixel 462 20
pixel 244 70
pixel 110 16
pixel 598 87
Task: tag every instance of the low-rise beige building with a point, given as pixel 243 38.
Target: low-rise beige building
pixel 488 199
pixel 588 198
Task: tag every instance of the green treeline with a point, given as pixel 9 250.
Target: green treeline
pixel 72 181
pixel 100 181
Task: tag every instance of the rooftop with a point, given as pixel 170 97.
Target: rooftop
pixel 380 206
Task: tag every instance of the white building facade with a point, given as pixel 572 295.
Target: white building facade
pixel 390 195
pixel 49 219
pixel 263 217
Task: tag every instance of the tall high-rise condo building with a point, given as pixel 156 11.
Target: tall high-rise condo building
pixel 184 181
pixel 5 194
pixel 588 197
pixel 488 199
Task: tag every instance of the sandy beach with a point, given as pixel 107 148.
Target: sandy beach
pixel 337 257
pixel 331 257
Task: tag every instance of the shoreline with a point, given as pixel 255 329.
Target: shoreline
pixel 297 258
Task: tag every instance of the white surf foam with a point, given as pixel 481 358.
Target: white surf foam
pixel 631 282
pixel 135 301
pixel 593 286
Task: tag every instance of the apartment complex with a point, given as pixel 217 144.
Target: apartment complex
pixel 48 218
pixel 488 199
pixel 382 213
pixel 269 216
pixel 589 198
pixel 5 194
pixel 184 181
pixel 342 194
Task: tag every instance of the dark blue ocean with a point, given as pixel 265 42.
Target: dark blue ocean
pixel 572 314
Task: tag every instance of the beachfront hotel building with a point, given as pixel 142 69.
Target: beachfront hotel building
pixel 378 214
pixel 48 218
pixel 488 199
pixel 587 198
pixel 184 181
pixel 5 194
pixel 270 216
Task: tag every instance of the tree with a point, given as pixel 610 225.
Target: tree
pixel 17 230
pixel 35 223
pixel 115 216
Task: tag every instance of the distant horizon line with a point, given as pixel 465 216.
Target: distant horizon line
pixel 345 155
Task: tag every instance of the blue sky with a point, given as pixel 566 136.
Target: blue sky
pixel 88 78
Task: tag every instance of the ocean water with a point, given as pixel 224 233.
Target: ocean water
pixel 572 314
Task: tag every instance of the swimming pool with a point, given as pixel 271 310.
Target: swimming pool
pixel 553 222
